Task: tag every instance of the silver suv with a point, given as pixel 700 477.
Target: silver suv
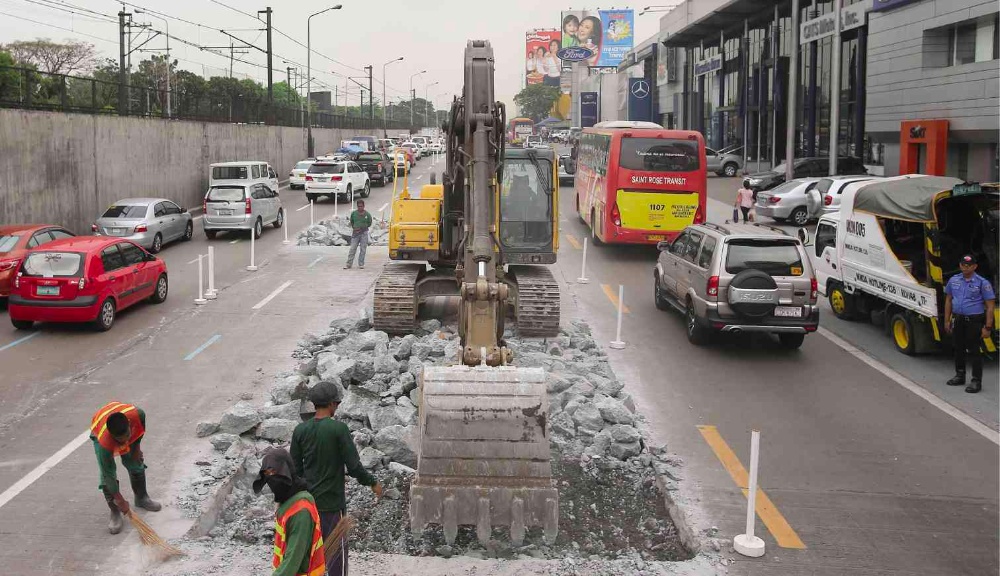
pixel 231 207
pixel 738 278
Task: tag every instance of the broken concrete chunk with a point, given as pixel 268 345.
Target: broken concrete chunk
pixel 341 369
pixel 430 326
pixel 401 469
pixel 554 383
pixel 399 443
pixel 371 458
pixel 601 444
pixel 206 429
pixel 583 388
pixel 240 418
pixel 358 403
pixel 364 367
pixel 623 433
pixel 284 390
pixel 614 411
pixel 277 429
pixel 407 381
pixel 371 339
pixel 287 411
pixel 624 451
pixel 386 364
pixel 405 347
pixel 563 425
pixel 222 442
pixel 385 416
pixel 588 419
pixel 604 385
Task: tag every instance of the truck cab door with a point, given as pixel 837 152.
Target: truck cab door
pixel 823 254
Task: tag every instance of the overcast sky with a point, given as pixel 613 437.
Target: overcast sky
pixel 430 36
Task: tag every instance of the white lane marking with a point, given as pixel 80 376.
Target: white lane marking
pixel 271 296
pixel 973 424
pixel 384 206
pixel 314 262
pixel 235 241
pixel 42 468
pixel 302 208
pixel 18 341
pixel 202 348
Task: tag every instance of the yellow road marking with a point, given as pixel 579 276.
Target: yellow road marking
pixel 573 241
pixel 613 296
pixel 766 510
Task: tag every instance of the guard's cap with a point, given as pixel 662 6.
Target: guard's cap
pixel 326 392
pixel 968 260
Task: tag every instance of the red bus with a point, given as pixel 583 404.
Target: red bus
pixel 637 183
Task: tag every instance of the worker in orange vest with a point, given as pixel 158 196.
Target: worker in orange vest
pixel 298 541
pixel 117 430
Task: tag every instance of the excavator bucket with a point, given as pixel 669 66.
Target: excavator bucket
pixel 484 454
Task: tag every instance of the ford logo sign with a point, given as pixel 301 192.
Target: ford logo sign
pixel 575 53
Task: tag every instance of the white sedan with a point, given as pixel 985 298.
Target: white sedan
pixel 297 177
pixel 337 180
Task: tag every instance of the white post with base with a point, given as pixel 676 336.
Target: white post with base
pixel 618 343
pixel 583 267
pixel 253 264
pixel 748 544
pixel 200 300
pixel 310 213
pixel 284 225
pixel 211 293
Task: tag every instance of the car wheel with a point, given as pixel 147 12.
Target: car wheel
pixel 160 294
pixel 157 243
pixel 22 324
pixel 210 234
pixel 311 197
pixel 258 229
pixel 280 220
pixel 367 190
pixel 791 341
pixel 799 216
pixel 841 302
pixel 730 169
pixel 658 298
pixel 697 334
pixel 106 316
pixel 188 231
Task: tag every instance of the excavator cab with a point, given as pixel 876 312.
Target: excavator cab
pixel 528 207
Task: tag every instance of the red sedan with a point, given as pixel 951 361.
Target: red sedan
pixel 84 279
pixel 16 240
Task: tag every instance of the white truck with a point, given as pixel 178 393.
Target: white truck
pixel 888 251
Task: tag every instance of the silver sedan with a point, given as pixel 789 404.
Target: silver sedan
pixel 149 222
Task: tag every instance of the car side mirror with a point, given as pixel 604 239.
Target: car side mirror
pixel 663 246
pixel 803 235
pixel 184 210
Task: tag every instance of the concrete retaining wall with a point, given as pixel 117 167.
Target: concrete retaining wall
pixel 67 168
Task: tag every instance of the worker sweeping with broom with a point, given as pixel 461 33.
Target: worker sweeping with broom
pixel 298 544
pixel 117 430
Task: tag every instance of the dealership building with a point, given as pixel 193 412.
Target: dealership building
pixel 918 90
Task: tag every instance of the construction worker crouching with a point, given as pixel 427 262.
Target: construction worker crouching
pixel 298 543
pixel 117 430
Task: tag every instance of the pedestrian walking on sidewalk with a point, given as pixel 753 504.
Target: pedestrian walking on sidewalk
pixel 117 430
pixel 322 450
pixel 968 317
pixel 298 543
pixel 744 200
pixel 361 221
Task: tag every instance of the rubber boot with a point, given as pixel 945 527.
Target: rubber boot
pixel 142 499
pixel 115 521
pixel 975 385
pixel 957 380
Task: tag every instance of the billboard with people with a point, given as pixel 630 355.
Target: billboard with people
pixel 542 64
pixel 599 37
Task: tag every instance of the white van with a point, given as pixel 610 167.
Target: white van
pixel 244 172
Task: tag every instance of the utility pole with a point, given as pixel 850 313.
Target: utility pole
pixel 122 79
pixel 371 96
pixel 270 55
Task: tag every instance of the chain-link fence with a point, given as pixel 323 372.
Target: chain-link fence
pixel 32 89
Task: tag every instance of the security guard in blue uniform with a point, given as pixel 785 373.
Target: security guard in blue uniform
pixel 968 316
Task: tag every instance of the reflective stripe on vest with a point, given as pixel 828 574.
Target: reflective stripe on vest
pixel 99 427
pixel 317 562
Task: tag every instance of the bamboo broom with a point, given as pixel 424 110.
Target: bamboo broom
pixel 331 548
pixel 149 537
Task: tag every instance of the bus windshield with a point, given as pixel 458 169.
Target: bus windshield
pixel 659 155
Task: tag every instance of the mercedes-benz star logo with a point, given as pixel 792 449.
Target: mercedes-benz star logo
pixel 640 89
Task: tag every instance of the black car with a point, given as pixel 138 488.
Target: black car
pixel 377 165
pixel 806 168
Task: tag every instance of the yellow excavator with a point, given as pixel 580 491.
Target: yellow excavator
pixel 484 234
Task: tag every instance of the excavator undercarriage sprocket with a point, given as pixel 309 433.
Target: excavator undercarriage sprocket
pixel 537 307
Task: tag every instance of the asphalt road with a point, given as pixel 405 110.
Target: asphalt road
pixel 864 476
pixel 180 362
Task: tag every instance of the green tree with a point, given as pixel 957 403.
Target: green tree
pixel 536 100
pixel 54 57
pixel 10 80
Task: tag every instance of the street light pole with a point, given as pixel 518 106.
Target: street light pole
pixel 309 134
pixel 385 134
pixel 413 95
pixel 166 25
pixel 427 104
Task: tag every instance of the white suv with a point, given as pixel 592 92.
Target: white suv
pixel 336 180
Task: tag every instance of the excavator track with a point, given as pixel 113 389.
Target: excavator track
pixel 537 309
pixel 396 298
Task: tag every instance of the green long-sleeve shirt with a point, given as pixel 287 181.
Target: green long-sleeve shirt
pixel 298 538
pixel 321 450
pixel 106 460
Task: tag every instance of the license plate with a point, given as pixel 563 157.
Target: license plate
pixel 225 212
pixel 788 311
pixel 323 179
pixel 47 290
pixel 117 231
pixel 655 238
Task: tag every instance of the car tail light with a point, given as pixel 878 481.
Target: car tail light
pixel 616 215
pixel 309 178
pixel 336 178
pixel 827 200
pixel 17 280
pixel 713 287
pixel 204 206
pixel 6 265
pixel 249 209
pixel 141 228
pixel 774 199
pixel 813 290
pixel 93 227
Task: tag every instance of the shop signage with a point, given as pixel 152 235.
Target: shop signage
pixel 575 54
pixel 851 17
pixel 588 109
pixel 889 4
pixel 708 65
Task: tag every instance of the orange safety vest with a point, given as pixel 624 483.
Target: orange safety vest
pixel 99 427
pixel 317 562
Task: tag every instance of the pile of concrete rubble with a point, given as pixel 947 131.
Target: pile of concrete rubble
pixel 337 232
pixel 605 470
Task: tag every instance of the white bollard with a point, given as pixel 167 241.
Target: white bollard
pixel 200 299
pixel 583 267
pixel 618 343
pixel 211 293
pixel 310 213
pixel 253 264
pixel 336 205
pixel 285 226
pixel 748 544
